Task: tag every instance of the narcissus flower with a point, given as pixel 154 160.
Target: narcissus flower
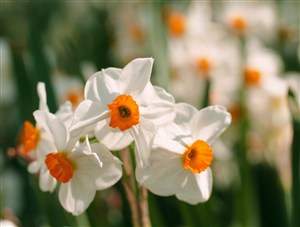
pixel 80 168
pixel 123 106
pixel 182 154
pixel 32 136
pixel 68 88
pixel 238 16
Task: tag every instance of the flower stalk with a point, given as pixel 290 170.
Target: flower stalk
pixel 137 197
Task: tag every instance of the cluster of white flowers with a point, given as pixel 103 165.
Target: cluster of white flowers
pixel 172 141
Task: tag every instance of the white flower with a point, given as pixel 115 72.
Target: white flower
pixel 238 16
pixel 33 136
pixel 125 106
pixel 68 88
pixel 203 60
pixel 182 154
pixel 81 169
pixel 193 22
pixel 130 30
pixel 262 68
pixel 7 223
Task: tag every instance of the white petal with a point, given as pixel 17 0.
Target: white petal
pixel 103 85
pixel 43 97
pixel 152 94
pixel 65 113
pixel 135 75
pixel 143 135
pixel 87 114
pixel 84 157
pixel 34 167
pixel 197 188
pixel 157 105
pixel 163 141
pixel 184 113
pixel 165 174
pixel 112 138
pixel 76 195
pixel 54 125
pixel 181 125
pixel 45 147
pixel 111 170
pixel 209 123
pixel 46 181
pixel 159 113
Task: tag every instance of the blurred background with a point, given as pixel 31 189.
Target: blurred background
pixel 242 55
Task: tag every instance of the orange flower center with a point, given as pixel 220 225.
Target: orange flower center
pixel 204 66
pixel 30 136
pixel 124 112
pixel 176 24
pixel 239 24
pixel 197 157
pixel 137 33
pixel 74 97
pixel 236 112
pixel 252 77
pixel 59 166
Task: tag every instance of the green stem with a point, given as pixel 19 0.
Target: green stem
pixel 245 204
pixel 82 220
pixel 205 101
pixel 137 196
pixel 158 44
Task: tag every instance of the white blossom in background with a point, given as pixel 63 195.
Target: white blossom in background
pixel 201 51
pixel 130 31
pixel 194 20
pixel 261 67
pixel 204 59
pixel 68 88
pixel 123 106
pixel 239 18
pixel 182 154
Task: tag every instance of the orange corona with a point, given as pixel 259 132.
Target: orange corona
pixel 252 77
pixel 176 24
pixel 124 112
pixel 137 33
pixel 197 157
pixel 74 96
pixel 59 166
pixel 30 137
pixel 204 66
pixel 239 24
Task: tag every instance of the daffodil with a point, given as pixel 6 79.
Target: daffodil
pixel 238 17
pixel 81 169
pixel 68 88
pixel 32 136
pixel 182 154
pixel 123 106
pixel 130 30
pixel 261 66
pixel 199 54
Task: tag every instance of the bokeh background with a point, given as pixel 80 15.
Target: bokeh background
pixel 244 55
